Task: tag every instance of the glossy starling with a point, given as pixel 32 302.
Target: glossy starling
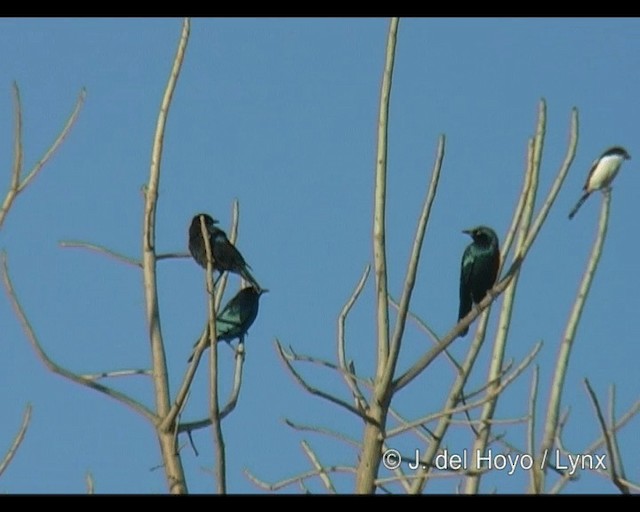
pixel 602 172
pixel 225 256
pixel 479 268
pixel 238 315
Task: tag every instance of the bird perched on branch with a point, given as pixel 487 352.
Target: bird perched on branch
pixel 237 315
pixel 225 256
pixel 479 270
pixel 601 174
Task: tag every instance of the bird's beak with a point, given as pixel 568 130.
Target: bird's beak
pixel 468 231
pixel 264 290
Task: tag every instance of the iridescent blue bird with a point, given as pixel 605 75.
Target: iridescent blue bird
pixel 225 255
pixel 479 269
pixel 238 315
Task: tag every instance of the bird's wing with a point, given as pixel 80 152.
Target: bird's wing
pixel 590 173
pixel 466 270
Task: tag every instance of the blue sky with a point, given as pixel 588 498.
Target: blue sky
pixel 281 115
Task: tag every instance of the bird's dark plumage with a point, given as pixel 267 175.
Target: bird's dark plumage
pixel 603 170
pixel 479 269
pixel 238 315
pixel 225 256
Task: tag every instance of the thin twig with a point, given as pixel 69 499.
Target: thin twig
pixel 490 394
pixel 322 473
pixel 434 337
pixel 615 453
pixel 349 372
pixel 562 362
pixel 17 185
pixel 114 374
pixel 531 426
pixel 214 406
pixel 315 391
pixel 54 367
pixel 298 478
pixel 166 432
pixel 237 382
pixel 17 441
pixel 76 244
pixel 358 397
pixel 90 483
pixel 412 268
pixel 325 431
pixel 607 434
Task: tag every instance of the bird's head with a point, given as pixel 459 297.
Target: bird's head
pixel 618 151
pixel 482 235
pixel 209 221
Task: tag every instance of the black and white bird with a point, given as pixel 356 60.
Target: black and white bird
pixel 601 174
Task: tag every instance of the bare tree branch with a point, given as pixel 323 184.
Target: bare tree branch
pixel 17 185
pixel 566 344
pixel 315 391
pixel 430 332
pixel 76 244
pixel 358 397
pixel 298 478
pixel 615 448
pixel 115 373
pixel 324 476
pixel 324 431
pixel 412 268
pixel 166 432
pixel 54 367
pixel 17 441
pixel 491 393
pixel 531 426
pixel 214 408
pixel 608 435
pixel 90 483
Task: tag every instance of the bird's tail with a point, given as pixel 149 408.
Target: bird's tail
pixel 465 307
pixel 246 275
pixel 578 205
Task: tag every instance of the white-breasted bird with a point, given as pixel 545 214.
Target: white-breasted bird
pixel 602 172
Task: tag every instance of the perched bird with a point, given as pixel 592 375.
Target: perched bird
pixel 602 172
pixel 238 315
pixel 225 256
pixel 479 270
